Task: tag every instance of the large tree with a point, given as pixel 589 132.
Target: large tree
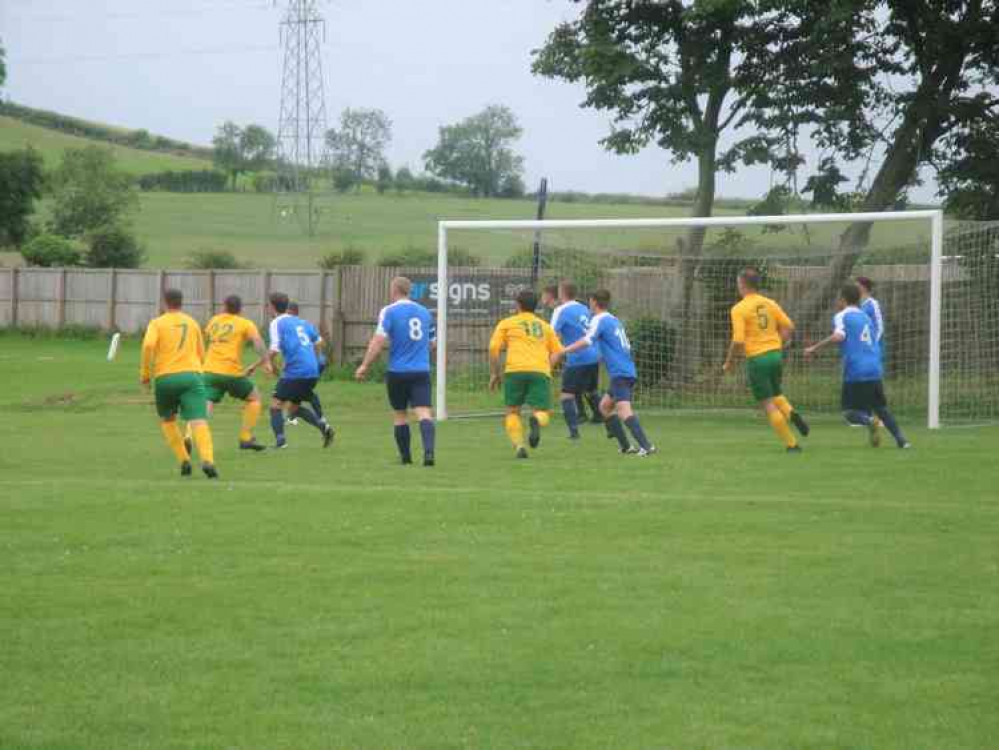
pixel 22 179
pixel 3 65
pixel 90 192
pixel 969 182
pixel 358 145
pixel 668 73
pixel 478 152
pixel 238 150
pixel 881 83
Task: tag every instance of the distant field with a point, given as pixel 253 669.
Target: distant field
pixel 719 595
pixel 51 144
pixel 246 224
pixel 174 225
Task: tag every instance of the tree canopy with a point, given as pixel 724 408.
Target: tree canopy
pixel 970 181
pixel 22 179
pixel 239 150
pixel 477 152
pixel 668 73
pixel 90 192
pixel 358 145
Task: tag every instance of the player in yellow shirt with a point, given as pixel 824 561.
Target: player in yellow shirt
pixel 172 351
pixel 760 330
pixel 529 343
pixel 228 334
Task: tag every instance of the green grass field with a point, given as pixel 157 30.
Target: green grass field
pixel 719 595
pixel 50 143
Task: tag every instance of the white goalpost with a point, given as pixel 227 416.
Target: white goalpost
pixel 676 277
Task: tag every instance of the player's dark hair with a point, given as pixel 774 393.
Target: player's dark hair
pixel 173 299
pixel 602 297
pixel 293 308
pixel 569 289
pixel 865 283
pixel 750 278
pixel 527 300
pixel 850 293
pixel 280 302
pixel 552 290
pixel 233 304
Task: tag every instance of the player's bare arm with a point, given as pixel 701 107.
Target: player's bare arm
pixel 736 351
pixel 263 360
pixel 374 351
pixel 835 338
pixel 579 345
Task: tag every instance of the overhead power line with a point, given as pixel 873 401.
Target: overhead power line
pixel 15 61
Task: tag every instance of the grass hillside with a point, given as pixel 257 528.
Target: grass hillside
pixel 248 225
pixel 51 144
pixel 174 225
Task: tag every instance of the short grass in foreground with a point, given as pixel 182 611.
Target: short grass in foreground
pixel 720 595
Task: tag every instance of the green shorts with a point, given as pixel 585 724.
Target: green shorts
pixel 217 386
pixel 183 392
pixel 531 388
pixel 765 371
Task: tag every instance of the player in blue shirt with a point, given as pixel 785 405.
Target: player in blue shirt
pixel 297 342
pixel 581 376
pixel 863 398
pixel 408 328
pixel 314 402
pixel 873 309
pixel 607 335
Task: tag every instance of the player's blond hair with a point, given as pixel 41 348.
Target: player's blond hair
pixel 401 286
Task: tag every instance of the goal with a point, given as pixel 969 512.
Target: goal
pixel 672 282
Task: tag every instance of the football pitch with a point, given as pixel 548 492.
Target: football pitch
pixel 719 595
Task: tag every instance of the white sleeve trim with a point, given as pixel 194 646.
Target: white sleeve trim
pixel 879 321
pixel 591 333
pixel 275 335
pixel 839 327
pixel 556 314
pixel 380 329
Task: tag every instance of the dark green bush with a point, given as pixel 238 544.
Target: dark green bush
pixel 213 259
pixel 417 257
pixel 653 347
pixel 348 256
pixel 114 247
pixel 51 251
pixel 184 181
pixel 459 257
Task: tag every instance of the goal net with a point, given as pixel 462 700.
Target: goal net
pixel 672 283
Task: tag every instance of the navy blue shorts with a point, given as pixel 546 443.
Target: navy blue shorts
pixel 581 379
pixel 408 389
pixel 621 389
pixel 295 390
pixel 866 395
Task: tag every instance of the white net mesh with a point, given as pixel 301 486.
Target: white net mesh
pixel 673 287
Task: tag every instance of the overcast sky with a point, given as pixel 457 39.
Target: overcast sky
pixel 180 67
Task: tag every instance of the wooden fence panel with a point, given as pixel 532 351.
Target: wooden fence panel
pixel 37 297
pixel 87 294
pixel 137 299
pixel 6 295
pixel 246 284
pixel 194 286
pixel 347 308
